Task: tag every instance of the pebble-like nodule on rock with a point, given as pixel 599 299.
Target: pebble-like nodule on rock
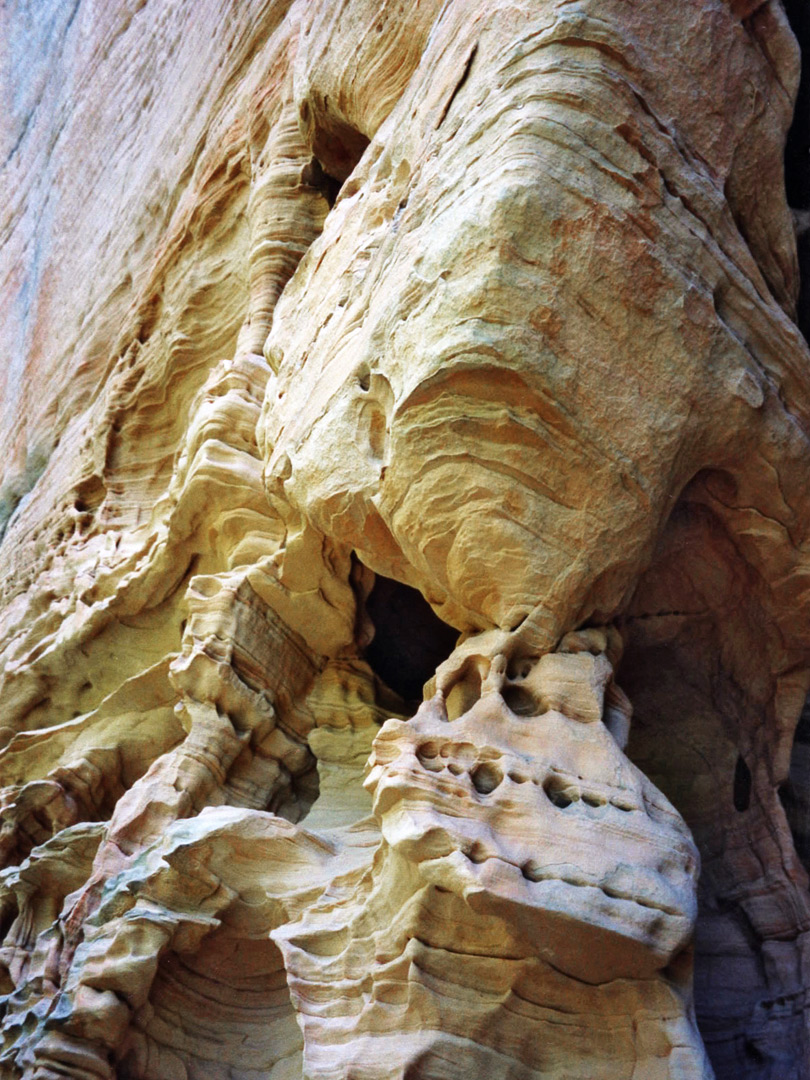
pixel 353 348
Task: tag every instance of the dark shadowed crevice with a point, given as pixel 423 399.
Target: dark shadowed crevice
pixel 410 640
pixel 335 143
pixel 797 148
pixel 795 792
pixel 696 646
pixel 797 158
pixel 742 785
pixel 314 177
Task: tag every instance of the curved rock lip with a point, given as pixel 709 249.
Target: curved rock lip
pixel 595 938
pixel 588 929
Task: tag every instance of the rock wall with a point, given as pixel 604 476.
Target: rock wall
pixel 405 605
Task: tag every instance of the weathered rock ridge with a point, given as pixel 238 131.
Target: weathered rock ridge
pixel 405 604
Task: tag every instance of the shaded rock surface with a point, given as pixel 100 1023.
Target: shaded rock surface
pixel 355 348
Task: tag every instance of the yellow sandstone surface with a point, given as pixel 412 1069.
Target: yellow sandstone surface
pixel 405 563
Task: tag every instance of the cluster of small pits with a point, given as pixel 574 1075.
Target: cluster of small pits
pixel 564 792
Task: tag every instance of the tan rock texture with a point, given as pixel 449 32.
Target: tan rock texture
pixel 405 563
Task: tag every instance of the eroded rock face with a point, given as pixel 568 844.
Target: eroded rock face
pixel 525 868
pixel 326 322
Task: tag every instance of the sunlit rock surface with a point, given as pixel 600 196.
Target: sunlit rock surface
pixel 405 563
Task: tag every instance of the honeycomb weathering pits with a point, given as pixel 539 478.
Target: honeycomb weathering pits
pixel 329 321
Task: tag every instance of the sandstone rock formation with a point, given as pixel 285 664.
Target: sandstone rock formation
pixel 405 606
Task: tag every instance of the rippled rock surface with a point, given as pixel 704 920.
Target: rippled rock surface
pixel 405 561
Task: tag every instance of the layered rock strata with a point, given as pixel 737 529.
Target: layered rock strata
pixel 359 346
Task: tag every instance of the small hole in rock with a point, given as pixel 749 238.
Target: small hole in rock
pixel 486 777
pixel 428 754
pixel 520 701
pixel 532 871
pixel 742 785
pixel 477 854
pixel 560 799
pixel 559 794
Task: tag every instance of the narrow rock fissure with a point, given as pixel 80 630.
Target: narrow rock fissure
pixel 742 785
pixel 797 159
pixel 795 792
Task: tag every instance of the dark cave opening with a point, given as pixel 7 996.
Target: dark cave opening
pixel 797 158
pixel 336 144
pixel 410 640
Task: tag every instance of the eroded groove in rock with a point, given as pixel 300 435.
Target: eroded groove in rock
pixel 404 570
